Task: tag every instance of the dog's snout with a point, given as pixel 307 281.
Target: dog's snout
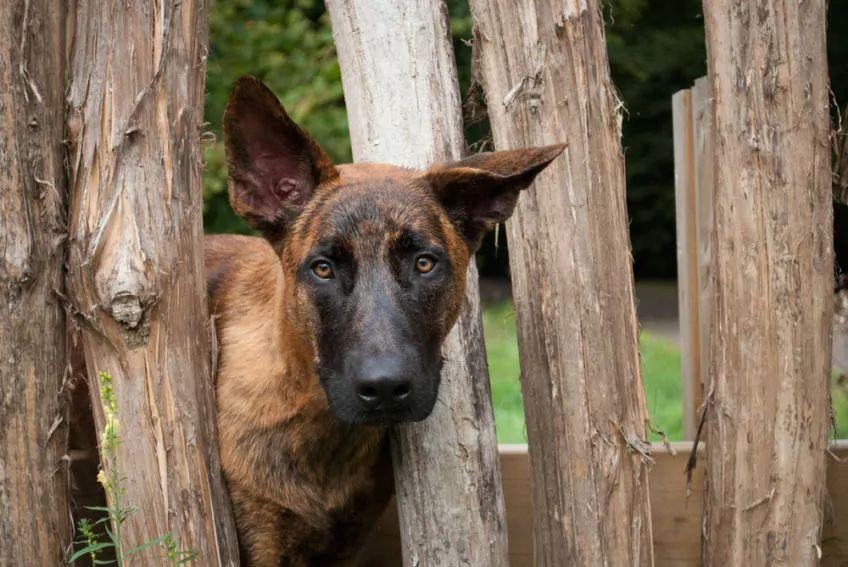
pixel 383 390
pixel 383 382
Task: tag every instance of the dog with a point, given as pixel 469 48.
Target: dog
pixel 330 325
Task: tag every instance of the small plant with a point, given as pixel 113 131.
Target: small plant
pixel 116 514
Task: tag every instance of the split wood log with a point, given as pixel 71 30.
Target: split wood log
pixel 35 526
pixel 135 268
pixel 544 68
pixel 770 359
pixel 400 84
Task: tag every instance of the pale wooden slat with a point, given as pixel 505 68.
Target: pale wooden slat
pixel 702 130
pixel 687 257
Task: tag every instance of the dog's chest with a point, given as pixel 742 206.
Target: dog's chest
pixel 307 463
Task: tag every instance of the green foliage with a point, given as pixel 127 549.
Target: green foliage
pixel 90 543
pixel 654 50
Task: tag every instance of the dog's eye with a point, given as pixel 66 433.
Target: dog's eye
pixel 323 270
pixel 425 263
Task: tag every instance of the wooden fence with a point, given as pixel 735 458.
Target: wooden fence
pixel 676 517
pixel 135 201
pixel 677 505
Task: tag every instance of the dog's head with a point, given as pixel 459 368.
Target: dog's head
pixel 374 256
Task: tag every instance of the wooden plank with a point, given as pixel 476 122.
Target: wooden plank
pixel 702 130
pixel 835 532
pixel 687 258
pixel 676 518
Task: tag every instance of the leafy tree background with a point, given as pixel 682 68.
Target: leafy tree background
pixel 656 47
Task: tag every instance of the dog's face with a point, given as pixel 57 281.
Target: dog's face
pixel 374 256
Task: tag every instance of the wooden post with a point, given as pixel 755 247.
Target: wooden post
pixel 136 267
pixel 546 76
pixel 400 85
pixel 693 196
pixel 768 402
pixel 34 522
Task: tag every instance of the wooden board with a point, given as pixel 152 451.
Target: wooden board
pixel 676 518
pixel 687 258
pixel 693 196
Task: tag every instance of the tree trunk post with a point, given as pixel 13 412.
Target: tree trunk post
pixel 35 527
pixel 544 68
pixel 136 267
pixel 399 78
pixel 770 355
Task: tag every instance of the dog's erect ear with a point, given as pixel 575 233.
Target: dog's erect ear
pixel 274 165
pixel 482 190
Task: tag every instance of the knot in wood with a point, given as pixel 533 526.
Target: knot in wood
pixel 126 310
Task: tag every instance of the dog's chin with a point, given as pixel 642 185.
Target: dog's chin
pixel 350 414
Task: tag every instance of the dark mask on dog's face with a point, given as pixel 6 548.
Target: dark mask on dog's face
pixel 374 256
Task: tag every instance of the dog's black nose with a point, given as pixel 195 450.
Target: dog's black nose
pixel 387 391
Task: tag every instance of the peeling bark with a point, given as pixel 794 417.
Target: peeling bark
pixel 399 78
pixel 772 309
pixel 135 261
pixel 34 514
pixel 544 68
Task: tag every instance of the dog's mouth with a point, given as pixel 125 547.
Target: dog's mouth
pixel 350 412
pixel 349 408
pixel 392 417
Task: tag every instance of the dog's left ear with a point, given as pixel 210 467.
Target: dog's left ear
pixel 482 190
pixel 274 165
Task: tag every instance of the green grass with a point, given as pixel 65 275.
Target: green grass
pixel 660 372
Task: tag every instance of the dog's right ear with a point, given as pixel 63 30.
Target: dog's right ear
pixel 274 165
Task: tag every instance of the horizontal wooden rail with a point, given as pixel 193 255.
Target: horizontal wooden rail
pixel 676 519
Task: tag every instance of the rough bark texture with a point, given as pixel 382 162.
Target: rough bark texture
pixel 773 303
pixel 545 72
pixel 400 84
pixel 135 262
pixel 34 516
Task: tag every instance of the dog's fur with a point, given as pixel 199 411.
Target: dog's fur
pixel 305 457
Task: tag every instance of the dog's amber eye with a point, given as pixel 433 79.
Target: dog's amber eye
pixel 323 270
pixel 425 264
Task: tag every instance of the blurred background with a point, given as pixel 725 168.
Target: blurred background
pixel 655 48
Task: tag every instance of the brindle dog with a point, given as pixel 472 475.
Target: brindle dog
pixel 330 327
